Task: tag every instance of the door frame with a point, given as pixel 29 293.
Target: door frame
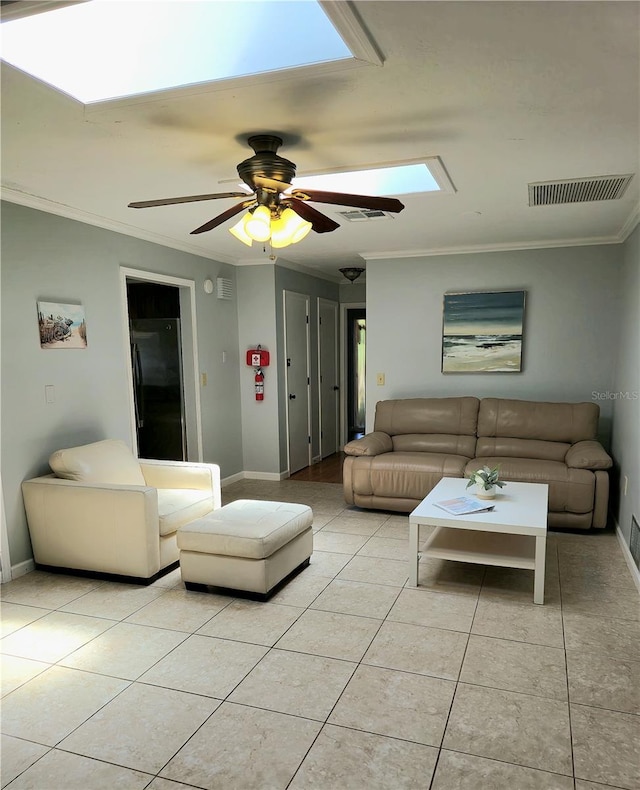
pixel 5 559
pixel 344 306
pixel 286 372
pixel 329 302
pixel 187 289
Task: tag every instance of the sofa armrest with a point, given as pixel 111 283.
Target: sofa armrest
pixel 374 443
pixel 183 474
pixel 94 527
pixel 588 455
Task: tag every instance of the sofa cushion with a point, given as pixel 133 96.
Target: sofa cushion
pixel 457 416
pixel 404 475
pixel 570 490
pixel 372 444
pixel 588 455
pixel 435 443
pixel 179 506
pixel 109 462
pixel 522 448
pixel 551 422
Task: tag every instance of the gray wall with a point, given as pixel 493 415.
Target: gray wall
pixel 353 292
pixel 571 324
pixel 257 325
pixel 50 258
pixel 626 391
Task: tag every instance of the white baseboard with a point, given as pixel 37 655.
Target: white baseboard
pixel 22 568
pixel 227 481
pixel 635 573
pixel 275 476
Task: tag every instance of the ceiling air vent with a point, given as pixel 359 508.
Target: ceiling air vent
pixel 578 190
pixel 365 215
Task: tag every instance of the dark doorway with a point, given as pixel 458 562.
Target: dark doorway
pixel 156 362
pixel 356 371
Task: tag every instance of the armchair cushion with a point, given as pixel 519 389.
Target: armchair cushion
pixel 179 506
pixel 108 462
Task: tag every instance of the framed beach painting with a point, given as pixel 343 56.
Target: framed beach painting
pixel 482 332
pixel 61 325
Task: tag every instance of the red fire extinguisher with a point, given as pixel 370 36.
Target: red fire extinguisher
pixel 259 384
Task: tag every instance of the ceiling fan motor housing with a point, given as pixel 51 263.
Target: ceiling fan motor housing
pixel 266 162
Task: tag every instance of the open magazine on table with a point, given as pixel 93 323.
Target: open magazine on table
pixel 463 505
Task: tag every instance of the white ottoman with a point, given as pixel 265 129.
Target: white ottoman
pixel 248 546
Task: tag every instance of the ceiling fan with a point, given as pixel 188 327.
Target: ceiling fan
pixel 276 212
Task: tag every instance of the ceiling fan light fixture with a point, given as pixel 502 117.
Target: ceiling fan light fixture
pixel 351 272
pixel 258 224
pixel 240 233
pixel 295 226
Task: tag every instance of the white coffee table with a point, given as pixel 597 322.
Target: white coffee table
pixel 512 535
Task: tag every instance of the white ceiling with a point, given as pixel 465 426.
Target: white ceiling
pixel 505 93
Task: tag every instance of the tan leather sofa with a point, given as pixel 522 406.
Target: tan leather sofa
pixel 417 441
pixel 103 511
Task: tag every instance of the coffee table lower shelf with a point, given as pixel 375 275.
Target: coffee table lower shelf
pixel 483 548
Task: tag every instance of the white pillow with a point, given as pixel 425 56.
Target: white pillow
pixel 109 462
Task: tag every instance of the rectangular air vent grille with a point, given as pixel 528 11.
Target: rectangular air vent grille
pixel 578 190
pixel 224 288
pixel 365 215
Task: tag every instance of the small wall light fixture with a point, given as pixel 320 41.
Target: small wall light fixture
pixel 351 272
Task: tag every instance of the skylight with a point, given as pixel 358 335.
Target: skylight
pixel 381 181
pixel 103 49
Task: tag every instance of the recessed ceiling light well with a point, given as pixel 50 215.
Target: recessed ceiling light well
pixel 400 178
pixel 100 50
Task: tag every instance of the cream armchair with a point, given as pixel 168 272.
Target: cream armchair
pixel 103 511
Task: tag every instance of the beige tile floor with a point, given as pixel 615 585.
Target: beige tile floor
pixel 345 680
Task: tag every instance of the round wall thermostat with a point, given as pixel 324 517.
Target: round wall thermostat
pixel 208 286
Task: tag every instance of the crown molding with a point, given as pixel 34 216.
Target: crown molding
pixel 630 223
pixel 476 248
pixel 70 212
pixel 297 267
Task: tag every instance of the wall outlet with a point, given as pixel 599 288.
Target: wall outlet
pixel 203 378
pixel 49 393
pixel 380 379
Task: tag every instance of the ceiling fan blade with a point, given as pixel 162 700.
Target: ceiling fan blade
pixel 343 199
pixel 230 212
pixel 187 199
pixel 270 183
pixel 319 222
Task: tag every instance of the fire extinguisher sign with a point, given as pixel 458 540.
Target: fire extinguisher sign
pixel 255 359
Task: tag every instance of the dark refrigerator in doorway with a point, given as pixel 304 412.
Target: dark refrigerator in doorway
pixel 156 360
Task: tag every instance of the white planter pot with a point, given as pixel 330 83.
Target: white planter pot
pixel 485 493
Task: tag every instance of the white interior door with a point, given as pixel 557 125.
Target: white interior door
pixel 328 376
pixel 296 331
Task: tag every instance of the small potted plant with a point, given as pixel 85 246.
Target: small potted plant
pixel 485 481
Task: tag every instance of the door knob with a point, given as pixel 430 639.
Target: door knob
pixel 292 397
